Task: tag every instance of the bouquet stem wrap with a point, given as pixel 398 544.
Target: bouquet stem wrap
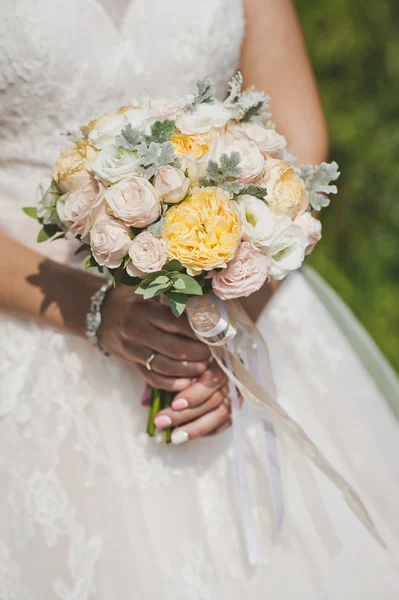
pixel 242 354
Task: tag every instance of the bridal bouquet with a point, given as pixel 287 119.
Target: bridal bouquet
pixel 198 201
pixel 180 197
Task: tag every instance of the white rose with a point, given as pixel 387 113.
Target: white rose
pixel 268 141
pixel 258 221
pixel 286 193
pixel 147 253
pixel 252 161
pixel 113 164
pixel 78 210
pixel 106 130
pixel 109 241
pixel 203 118
pixel 47 197
pixel 171 184
pixel 286 251
pixel 134 201
pixel 312 229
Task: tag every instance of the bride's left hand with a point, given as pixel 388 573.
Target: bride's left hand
pixel 202 409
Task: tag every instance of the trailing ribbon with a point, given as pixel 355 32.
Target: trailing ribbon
pixel 242 354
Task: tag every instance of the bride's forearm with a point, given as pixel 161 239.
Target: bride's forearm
pixel 34 287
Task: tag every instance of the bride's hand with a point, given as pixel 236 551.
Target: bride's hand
pixel 202 409
pixel 134 329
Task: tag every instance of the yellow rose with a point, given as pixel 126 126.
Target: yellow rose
pixel 69 172
pixel 204 231
pixel 286 193
pixel 197 144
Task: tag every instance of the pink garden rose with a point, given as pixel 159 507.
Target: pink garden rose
pixel 109 241
pixel 312 228
pixel 171 184
pixel 147 253
pixel 244 274
pixel 78 210
pixel 252 161
pixel 268 141
pixel 134 201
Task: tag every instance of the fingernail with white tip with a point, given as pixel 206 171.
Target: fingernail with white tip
pixel 179 437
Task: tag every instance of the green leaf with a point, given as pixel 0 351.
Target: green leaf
pixel 148 277
pixel 173 265
pixel 31 211
pixel 177 302
pixel 162 131
pixel 61 236
pixel 47 232
pixel 186 284
pixel 254 190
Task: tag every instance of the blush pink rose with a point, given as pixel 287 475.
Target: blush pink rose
pixel 147 253
pixel 134 201
pixel 78 210
pixel 252 162
pixel 109 241
pixel 312 229
pixel 171 184
pixel 244 274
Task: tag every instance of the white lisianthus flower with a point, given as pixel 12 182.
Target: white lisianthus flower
pixel 171 184
pixel 47 198
pixel 114 164
pixel 203 118
pixel 286 251
pixel 251 162
pixel 258 221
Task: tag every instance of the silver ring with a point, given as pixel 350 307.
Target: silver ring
pixel 149 361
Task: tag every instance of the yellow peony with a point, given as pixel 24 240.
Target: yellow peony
pixel 204 231
pixel 286 194
pixel 69 172
pixel 197 144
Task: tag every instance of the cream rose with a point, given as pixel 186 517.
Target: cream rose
pixel 252 161
pixel 147 254
pixel 109 241
pixel 286 193
pixel 134 201
pixel 70 170
pixel 171 184
pixel 203 118
pixel 268 141
pixel 312 229
pixel 114 164
pixel 243 276
pixel 78 210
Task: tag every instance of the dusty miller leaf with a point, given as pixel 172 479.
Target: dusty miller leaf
pixel 318 182
pixel 204 93
pixel 154 156
pixel 129 138
pixel 254 190
pixel 162 131
pixel 223 176
pixel 157 228
pixel 235 87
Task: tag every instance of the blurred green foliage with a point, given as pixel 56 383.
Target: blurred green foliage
pixel 354 47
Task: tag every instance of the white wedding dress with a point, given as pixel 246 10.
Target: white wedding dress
pixel 90 507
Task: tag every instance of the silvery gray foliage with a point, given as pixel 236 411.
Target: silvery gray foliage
pixel 205 93
pixel 221 174
pixel 318 182
pixel 153 156
pixel 129 138
pixel 246 105
pixel 254 190
pixel 235 87
pixel 47 206
pixel 157 228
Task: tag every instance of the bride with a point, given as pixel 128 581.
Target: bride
pixel 90 506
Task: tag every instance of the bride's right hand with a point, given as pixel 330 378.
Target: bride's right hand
pixel 133 329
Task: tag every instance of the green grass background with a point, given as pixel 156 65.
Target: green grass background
pixel 354 47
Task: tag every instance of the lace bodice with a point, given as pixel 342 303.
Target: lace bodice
pixel 61 63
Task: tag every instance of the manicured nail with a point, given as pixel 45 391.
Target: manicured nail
pixel 179 404
pixel 162 422
pixel 179 437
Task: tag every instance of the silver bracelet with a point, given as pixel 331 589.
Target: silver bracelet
pixel 94 317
